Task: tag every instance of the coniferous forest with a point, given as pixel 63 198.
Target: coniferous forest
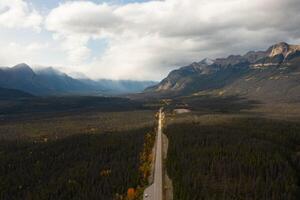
pixel 235 158
pixel 78 167
pixel 76 154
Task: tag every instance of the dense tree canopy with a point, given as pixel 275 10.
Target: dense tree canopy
pixel 237 159
pixel 76 167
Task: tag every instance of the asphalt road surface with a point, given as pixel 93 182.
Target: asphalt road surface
pixel 155 191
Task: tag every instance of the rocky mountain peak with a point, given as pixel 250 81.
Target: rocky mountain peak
pixel 283 49
pixel 211 74
pixel 207 61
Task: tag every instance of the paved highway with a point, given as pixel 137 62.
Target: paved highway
pixel 155 191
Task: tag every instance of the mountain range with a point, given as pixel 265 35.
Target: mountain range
pixel 49 81
pixel 270 75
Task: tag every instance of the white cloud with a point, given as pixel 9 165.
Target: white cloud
pixel 36 46
pixel 17 53
pixel 82 17
pixel 19 14
pixel 146 40
pixel 76 22
pixel 31 53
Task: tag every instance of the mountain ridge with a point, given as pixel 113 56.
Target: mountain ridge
pixel 50 81
pixel 251 75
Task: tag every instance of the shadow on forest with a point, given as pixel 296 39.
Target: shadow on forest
pixel 220 104
pixel 67 104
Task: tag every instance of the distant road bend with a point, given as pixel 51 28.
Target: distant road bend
pixel 155 191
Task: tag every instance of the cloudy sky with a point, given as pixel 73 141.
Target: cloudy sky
pixel 139 39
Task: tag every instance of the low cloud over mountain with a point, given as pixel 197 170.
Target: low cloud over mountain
pixel 49 81
pixel 141 40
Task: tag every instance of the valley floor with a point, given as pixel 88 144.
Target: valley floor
pixel 74 154
pixel 223 148
pixel 223 153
